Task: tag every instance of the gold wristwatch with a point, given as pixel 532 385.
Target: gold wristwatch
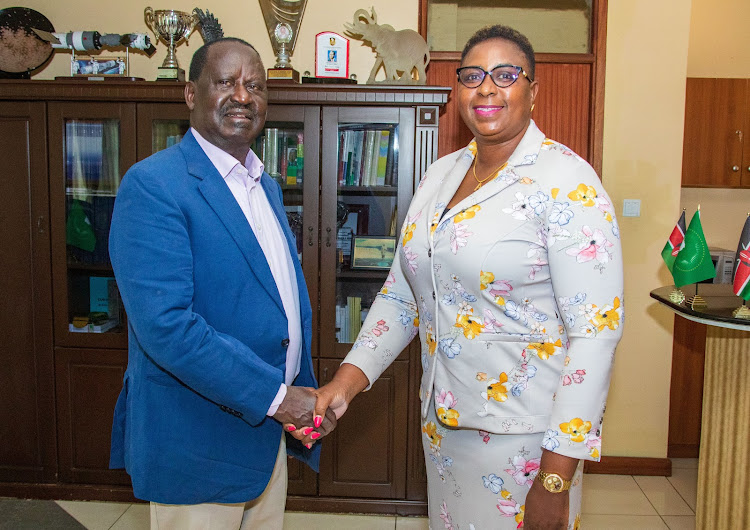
pixel 553 482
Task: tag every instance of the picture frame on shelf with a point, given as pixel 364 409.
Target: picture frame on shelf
pixel 357 218
pixel 373 252
pixel 94 66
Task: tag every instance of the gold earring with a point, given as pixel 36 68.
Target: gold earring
pixel 532 107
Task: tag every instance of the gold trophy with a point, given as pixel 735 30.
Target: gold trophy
pixel 282 18
pixel 171 26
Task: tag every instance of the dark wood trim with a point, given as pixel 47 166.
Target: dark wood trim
pixel 354 505
pixel 629 465
pixel 599 49
pixel 683 450
pixel 161 91
pixel 67 492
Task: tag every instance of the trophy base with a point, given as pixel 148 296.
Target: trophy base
pixel 170 74
pixel 283 74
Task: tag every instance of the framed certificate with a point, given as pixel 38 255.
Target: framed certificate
pixel 331 55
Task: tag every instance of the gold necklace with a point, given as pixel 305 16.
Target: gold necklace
pixel 480 183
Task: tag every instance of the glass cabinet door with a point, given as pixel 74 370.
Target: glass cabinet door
pixel 160 125
pixel 86 175
pixel 289 148
pixel 367 185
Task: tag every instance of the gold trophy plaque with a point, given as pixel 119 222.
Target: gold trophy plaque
pixel 283 18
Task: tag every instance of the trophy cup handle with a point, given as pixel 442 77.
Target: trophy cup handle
pixel 148 13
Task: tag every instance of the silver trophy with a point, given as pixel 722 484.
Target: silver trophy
pixel 171 26
pixel 283 18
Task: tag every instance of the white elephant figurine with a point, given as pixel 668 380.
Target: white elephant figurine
pixel 403 54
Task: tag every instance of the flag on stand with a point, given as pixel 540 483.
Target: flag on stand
pixel 693 263
pixel 675 243
pixel 742 264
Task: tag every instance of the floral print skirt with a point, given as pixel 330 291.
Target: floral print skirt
pixel 479 481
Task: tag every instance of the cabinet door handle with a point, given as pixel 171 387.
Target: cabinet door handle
pixel 309 236
pixel 328 236
pixel 325 375
pixel 739 134
pixel 735 168
pixel 40 223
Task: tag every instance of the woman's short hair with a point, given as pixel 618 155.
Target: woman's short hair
pixel 505 33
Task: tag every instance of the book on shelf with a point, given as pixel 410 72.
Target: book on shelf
pixel 94 328
pixel 366 155
pixel 282 154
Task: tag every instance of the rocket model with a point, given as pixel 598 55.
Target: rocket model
pixel 93 40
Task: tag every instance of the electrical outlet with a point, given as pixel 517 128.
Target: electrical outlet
pixel 631 208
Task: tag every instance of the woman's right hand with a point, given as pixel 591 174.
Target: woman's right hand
pixel 346 383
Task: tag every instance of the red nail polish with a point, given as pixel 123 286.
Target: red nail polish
pixel 315 435
pixel 309 446
pixel 307 431
pixel 317 421
pixel 291 428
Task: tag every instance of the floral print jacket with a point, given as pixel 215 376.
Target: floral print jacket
pixel 516 293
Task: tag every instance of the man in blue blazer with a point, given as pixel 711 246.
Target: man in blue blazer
pixel 219 319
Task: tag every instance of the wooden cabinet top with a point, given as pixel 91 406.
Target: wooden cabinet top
pixel 170 91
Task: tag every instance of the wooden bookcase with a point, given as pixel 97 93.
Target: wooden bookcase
pixel 67 145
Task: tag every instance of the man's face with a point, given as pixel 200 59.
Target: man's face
pixel 228 102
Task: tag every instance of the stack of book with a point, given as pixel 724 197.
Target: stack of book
pixel 349 319
pixel 283 154
pixel 367 156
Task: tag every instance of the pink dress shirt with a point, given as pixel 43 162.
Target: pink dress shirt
pixel 244 183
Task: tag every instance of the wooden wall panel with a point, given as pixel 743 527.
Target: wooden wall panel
pixel 563 104
pixel 88 384
pixel 686 390
pixel 27 450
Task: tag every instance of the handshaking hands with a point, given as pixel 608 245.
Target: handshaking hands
pixel 309 414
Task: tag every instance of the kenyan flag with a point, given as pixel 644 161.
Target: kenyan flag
pixel 742 264
pixel 675 243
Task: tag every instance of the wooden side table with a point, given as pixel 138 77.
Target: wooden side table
pixel 724 460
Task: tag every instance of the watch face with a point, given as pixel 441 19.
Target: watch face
pixel 553 483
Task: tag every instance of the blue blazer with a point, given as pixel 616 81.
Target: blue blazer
pixel 207 335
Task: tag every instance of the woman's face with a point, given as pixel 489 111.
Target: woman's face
pixel 495 114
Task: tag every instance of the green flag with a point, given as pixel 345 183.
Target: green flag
pixel 693 264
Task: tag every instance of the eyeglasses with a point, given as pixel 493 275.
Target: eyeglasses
pixel 503 76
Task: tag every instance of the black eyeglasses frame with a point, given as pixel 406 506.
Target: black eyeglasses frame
pixel 519 72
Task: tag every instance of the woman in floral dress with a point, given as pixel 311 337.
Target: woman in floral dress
pixel 510 270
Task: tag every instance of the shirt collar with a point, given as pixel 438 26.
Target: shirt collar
pixel 226 164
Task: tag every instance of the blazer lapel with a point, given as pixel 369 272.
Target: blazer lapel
pixel 525 154
pixel 220 198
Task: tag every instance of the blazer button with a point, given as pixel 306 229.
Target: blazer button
pixel 429 252
pixel 285 343
pixel 433 295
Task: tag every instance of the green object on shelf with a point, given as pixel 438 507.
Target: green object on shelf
pixel 78 230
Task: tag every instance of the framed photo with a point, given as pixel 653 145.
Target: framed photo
pixel 373 252
pixel 88 66
pixel 331 55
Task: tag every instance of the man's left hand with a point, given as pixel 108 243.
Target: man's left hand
pixel 296 413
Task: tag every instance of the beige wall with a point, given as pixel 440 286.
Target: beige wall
pixel 719 47
pixel 238 19
pixel 719 39
pixel 643 127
